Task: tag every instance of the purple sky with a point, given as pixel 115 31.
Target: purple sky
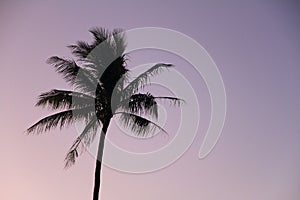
pixel 256 47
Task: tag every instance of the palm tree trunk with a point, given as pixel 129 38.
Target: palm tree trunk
pixel 99 160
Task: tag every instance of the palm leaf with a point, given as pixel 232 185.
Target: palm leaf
pixel 84 50
pixel 61 119
pixel 119 41
pixel 81 49
pixel 68 68
pixel 82 141
pixel 106 47
pixel 99 34
pixel 104 56
pixel 173 100
pixel 82 78
pixel 138 125
pixel 141 104
pixel 145 104
pixel 143 79
pixel 115 38
pixel 61 99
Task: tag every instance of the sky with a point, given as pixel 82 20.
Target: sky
pixel 255 45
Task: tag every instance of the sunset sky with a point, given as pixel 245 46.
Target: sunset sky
pixel 255 45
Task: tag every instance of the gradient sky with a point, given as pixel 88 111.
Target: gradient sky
pixel 256 47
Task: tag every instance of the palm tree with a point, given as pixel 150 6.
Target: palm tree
pixel 102 91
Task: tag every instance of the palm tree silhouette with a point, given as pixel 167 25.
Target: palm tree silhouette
pixel 102 91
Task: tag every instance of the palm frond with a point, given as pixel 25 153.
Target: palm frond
pixel 61 99
pixel 115 38
pixel 103 48
pixel 68 68
pixel 119 41
pixel 99 34
pixel 138 125
pixel 145 104
pixel 83 79
pixel 108 49
pixel 85 51
pixel 141 104
pixel 143 79
pixel 82 142
pixel 81 49
pixel 104 55
pixel 61 119
pixel 173 100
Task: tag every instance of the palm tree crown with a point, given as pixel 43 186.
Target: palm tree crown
pixel 102 90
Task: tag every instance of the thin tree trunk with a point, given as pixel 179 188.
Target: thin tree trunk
pixel 99 161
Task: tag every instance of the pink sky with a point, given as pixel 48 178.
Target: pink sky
pixel 256 47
